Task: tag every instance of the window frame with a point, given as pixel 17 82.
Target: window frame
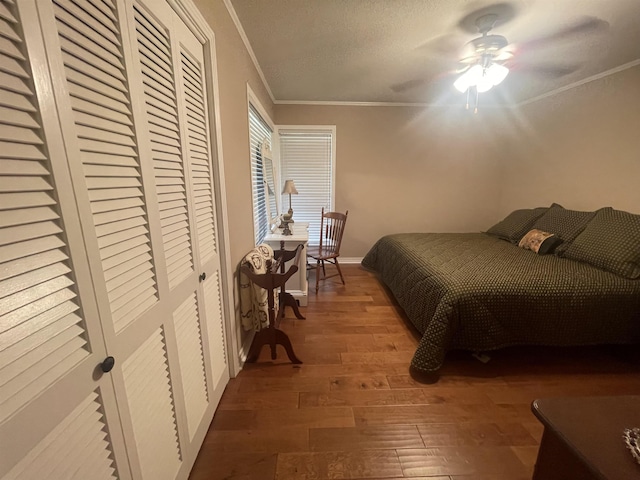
pixel 252 101
pixel 331 129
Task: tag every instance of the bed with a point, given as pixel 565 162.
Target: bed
pixel 481 291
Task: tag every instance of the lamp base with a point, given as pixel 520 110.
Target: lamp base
pixel 286 220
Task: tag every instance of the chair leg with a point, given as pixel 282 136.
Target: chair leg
pixel 339 271
pixel 317 276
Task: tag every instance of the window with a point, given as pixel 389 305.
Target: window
pixel 307 156
pixel 259 133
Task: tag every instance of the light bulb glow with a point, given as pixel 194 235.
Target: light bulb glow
pixel 484 84
pixel 482 78
pixel 496 73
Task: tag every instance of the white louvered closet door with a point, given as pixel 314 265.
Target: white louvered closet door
pixel 58 416
pixel 142 177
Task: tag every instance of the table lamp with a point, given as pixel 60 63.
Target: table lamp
pixel 290 188
pixel 287 218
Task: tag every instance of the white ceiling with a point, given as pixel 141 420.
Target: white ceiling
pixel 406 51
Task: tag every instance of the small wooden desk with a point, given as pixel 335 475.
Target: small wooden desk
pixel 582 438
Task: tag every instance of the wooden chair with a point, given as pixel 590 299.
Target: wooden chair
pixel 331 230
pixel 272 281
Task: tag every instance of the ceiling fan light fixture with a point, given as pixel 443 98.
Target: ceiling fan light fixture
pixel 496 73
pixel 484 84
pixel 481 78
pixel 468 79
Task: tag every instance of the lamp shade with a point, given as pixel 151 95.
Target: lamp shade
pixel 289 187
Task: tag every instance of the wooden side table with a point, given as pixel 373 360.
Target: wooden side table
pixel 582 438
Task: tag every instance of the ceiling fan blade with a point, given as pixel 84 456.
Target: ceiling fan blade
pixel 546 69
pixel 583 26
pixel 443 45
pixel 408 85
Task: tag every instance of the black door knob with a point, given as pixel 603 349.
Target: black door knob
pixel 202 276
pixel 107 364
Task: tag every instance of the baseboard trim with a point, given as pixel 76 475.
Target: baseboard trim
pixel 244 349
pixel 347 260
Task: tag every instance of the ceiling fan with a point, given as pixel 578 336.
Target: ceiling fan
pixel 484 59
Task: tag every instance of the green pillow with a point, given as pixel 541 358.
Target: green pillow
pixel 611 242
pixel 566 224
pixel 516 224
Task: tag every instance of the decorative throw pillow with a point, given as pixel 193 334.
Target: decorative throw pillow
pixel 516 224
pixel 566 224
pixel 611 242
pixel 539 241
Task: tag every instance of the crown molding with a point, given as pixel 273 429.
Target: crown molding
pixel 584 81
pixel 245 40
pixel 355 104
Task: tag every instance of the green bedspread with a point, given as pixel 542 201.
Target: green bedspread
pixel 476 292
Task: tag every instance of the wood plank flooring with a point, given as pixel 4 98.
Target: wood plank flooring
pixel 352 411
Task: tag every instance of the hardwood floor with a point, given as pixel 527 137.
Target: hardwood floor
pixel 352 411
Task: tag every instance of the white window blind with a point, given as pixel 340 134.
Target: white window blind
pixel 306 157
pixel 259 131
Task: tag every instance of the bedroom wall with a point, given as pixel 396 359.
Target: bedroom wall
pixel 407 169
pixel 579 148
pixel 235 71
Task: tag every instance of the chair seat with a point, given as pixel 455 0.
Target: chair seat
pixel 321 253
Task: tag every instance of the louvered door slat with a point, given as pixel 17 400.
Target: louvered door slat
pixel 162 120
pixel 130 231
pixel 14 117
pixel 20 282
pixel 11 201
pixel 172 217
pixel 164 132
pixel 95 44
pixel 114 193
pixel 213 307
pixel 105 231
pixel 75 15
pixel 108 150
pixel 188 336
pixel 105 7
pixel 122 268
pixel 82 118
pixel 160 101
pixel 159 116
pixel 38 323
pixel 118 248
pixel 192 78
pixel 42 344
pixel 158 84
pixel 125 256
pixel 25 384
pixel 17 167
pixel 30 263
pixel 120 204
pixel 153 416
pixel 85 422
pixel 104 136
pixel 14 84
